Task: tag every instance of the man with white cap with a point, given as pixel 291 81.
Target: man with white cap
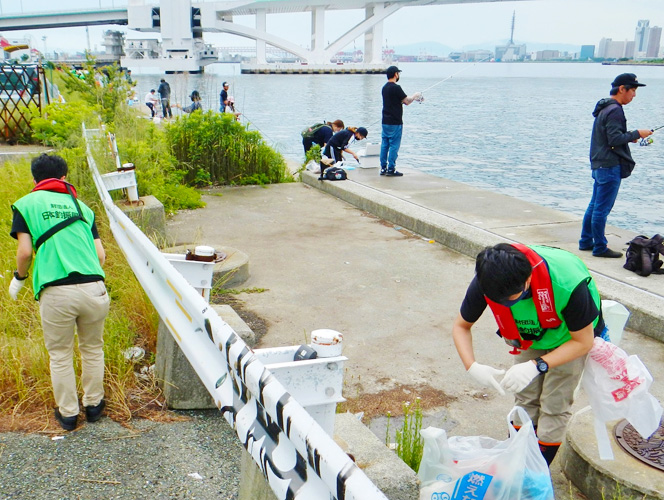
pixel 393 99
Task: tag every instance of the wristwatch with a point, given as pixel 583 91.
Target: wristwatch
pixel 20 278
pixel 542 366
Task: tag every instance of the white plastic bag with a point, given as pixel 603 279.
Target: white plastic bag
pixel 313 167
pixel 484 468
pixel 617 386
pixel 615 318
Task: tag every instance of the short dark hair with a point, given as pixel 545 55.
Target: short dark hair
pixel 48 167
pixel 502 271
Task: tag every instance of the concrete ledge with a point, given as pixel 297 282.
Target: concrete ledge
pixel 604 479
pixel 646 308
pixel 148 214
pixel 183 389
pixel 381 465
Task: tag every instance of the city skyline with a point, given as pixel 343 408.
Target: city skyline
pixel 573 22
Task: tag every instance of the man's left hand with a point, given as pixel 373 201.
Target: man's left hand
pixel 519 376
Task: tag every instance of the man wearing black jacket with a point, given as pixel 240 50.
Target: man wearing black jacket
pixel 610 161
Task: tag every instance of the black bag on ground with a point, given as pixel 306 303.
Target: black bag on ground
pixel 643 255
pixel 334 174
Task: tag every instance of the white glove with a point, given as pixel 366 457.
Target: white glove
pixel 483 375
pixel 417 96
pixel 15 287
pixel 519 376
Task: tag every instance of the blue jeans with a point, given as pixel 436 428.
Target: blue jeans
pixel 605 192
pixel 389 147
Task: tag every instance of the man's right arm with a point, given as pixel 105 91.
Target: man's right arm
pixel 614 131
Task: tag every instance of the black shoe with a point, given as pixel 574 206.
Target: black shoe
pixel 94 413
pixel 609 254
pixel 383 171
pixel 394 173
pixel 67 423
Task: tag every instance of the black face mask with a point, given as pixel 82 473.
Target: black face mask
pixel 509 303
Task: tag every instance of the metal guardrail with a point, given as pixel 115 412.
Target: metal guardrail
pixel 298 458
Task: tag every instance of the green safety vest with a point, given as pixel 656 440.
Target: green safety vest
pixel 70 250
pixel 567 272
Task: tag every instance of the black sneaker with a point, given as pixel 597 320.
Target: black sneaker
pixel 67 423
pixel 383 171
pixel 94 413
pixel 394 173
pixel 609 254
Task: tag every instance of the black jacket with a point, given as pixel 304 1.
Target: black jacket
pixel 609 144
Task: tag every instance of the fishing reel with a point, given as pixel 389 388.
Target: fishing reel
pixel 646 141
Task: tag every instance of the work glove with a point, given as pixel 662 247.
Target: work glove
pixel 483 375
pixel 15 287
pixel 417 96
pixel 519 376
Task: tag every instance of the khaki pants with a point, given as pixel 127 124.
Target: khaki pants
pixel 549 397
pixel 65 310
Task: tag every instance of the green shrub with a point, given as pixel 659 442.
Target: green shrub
pixel 60 125
pixel 215 148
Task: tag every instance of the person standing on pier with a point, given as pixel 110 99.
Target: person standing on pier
pixel 223 98
pixel 164 90
pixel 547 308
pixel 610 161
pixel 393 100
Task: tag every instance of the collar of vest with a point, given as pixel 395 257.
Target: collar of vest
pixel 542 292
pixel 55 185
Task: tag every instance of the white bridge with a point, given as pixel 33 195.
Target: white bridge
pixel 182 23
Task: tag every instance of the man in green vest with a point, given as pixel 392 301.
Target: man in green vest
pixel 68 281
pixel 550 338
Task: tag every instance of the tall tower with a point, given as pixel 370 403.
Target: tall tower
pixel 641 35
pixel 512 31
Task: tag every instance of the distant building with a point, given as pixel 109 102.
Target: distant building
pixel 654 40
pixel 587 52
pixel 608 49
pixel 475 55
pixel 547 55
pixel 641 36
pixel 511 52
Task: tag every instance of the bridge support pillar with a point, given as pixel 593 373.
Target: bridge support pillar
pixel 373 51
pixel 318 30
pixel 261 25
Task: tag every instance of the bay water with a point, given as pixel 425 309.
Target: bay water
pixel 521 129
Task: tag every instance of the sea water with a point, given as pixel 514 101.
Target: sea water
pixel 521 129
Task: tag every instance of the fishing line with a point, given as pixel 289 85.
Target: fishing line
pixel 647 141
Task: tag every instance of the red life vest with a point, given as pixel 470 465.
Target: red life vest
pixel 542 292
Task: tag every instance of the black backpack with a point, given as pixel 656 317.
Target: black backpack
pixel 643 255
pixel 334 174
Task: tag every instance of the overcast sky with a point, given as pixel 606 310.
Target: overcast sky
pixel 548 21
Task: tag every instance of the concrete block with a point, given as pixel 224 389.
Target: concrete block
pixel 381 465
pixel 149 215
pixel 183 389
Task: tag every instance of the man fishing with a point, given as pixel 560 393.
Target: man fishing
pixel 547 308
pixel 393 99
pixel 610 161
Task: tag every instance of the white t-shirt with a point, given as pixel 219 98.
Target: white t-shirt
pixel 150 97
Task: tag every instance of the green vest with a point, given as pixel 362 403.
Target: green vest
pixel 567 272
pixel 70 250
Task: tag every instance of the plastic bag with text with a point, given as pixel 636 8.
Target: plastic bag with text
pixel 617 386
pixel 483 468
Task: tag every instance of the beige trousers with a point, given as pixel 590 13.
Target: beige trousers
pixel 549 397
pixel 66 310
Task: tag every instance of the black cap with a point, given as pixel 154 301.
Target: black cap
pixel 628 80
pixel 362 131
pixel 224 84
pixel 391 71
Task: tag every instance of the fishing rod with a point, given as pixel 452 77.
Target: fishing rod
pixel 454 74
pixel 647 141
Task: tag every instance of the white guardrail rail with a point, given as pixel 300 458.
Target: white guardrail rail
pixel 298 458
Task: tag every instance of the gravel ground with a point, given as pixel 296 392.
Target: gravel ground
pixel 106 460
